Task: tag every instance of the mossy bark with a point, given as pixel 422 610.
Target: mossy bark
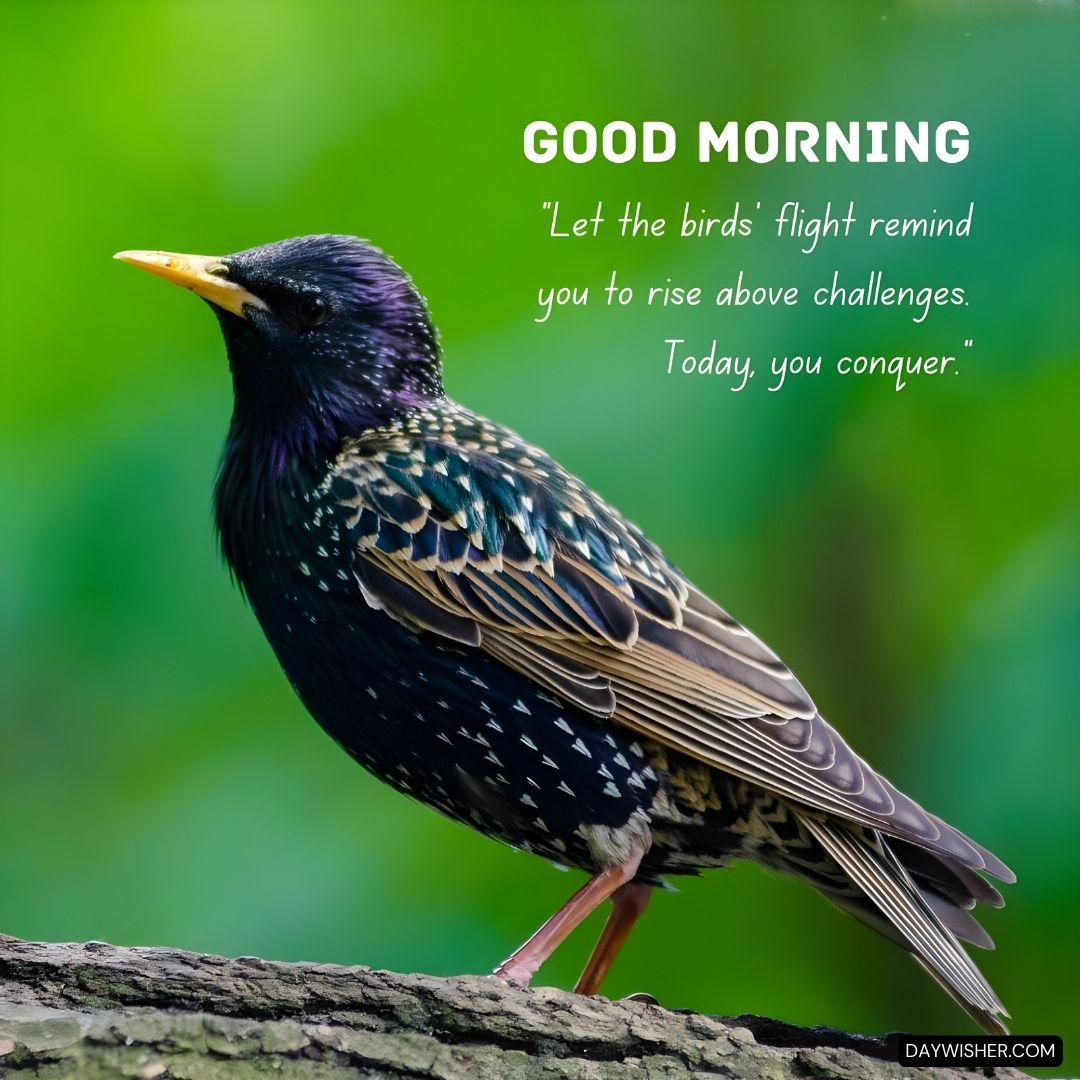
pixel 94 1011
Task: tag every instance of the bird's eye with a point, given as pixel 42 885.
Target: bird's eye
pixel 313 309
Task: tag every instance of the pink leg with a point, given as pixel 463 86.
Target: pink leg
pixel 523 963
pixel 627 904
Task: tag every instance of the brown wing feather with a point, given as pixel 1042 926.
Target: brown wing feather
pixel 599 617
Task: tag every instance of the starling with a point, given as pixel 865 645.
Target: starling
pixel 480 630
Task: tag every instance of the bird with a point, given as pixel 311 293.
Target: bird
pixel 479 629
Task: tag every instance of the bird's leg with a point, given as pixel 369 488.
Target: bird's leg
pixel 627 904
pixel 523 963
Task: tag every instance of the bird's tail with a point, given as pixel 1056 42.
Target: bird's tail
pixel 924 921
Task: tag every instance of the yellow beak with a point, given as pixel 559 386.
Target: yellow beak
pixel 204 275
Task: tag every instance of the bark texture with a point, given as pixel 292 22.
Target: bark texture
pixel 95 1011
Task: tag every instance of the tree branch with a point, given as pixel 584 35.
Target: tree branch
pixel 94 1011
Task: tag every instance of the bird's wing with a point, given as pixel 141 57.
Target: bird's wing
pixel 500 548
pixel 472 534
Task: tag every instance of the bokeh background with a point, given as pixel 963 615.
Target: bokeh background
pixel 912 555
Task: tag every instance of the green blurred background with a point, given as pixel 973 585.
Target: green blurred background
pixel 911 555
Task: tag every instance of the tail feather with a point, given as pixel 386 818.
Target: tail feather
pixel 919 923
pixel 961 922
pixel 960 884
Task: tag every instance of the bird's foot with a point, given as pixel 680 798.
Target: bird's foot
pixel 524 963
pixel 515 972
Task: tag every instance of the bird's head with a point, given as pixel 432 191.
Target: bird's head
pixel 326 336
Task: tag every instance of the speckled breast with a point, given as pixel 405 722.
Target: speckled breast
pixel 462 732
